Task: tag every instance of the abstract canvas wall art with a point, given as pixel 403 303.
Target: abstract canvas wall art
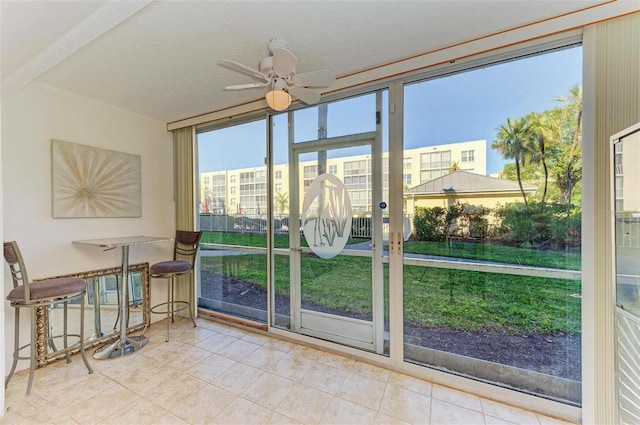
pixel 93 182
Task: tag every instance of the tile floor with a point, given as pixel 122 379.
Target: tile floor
pixel 216 374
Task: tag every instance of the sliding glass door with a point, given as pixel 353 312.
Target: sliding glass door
pixel 232 215
pixel 492 285
pixel 486 264
pixel 336 266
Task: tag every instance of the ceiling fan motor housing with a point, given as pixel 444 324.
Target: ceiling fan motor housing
pixel 266 66
pixel 276 43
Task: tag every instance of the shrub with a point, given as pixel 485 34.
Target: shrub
pixel 550 228
pixel 429 223
pixel 436 224
pixel 474 220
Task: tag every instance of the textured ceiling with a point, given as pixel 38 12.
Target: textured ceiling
pixel 161 58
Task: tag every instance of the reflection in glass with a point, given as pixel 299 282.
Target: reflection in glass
pixel 103 294
pixel 233 281
pixel 102 317
pixel 626 152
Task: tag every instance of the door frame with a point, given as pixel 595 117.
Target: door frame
pixel 343 330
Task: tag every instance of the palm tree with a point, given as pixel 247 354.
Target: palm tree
pixel 513 142
pixel 543 127
pixel 573 106
pixel 282 202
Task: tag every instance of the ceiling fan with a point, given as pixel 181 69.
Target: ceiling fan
pixel 278 72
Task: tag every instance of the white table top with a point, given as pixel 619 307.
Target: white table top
pixel 123 241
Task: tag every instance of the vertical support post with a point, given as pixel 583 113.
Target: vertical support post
pixel 124 295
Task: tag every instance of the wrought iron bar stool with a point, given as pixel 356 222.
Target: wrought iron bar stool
pixel 42 294
pixel 185 249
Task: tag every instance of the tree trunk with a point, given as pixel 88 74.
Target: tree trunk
pixel 572 153
pixel 546 171
pixel 524 196
pixel 546 183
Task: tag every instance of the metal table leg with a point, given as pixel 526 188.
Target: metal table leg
pixel 124 344
pixel 97 321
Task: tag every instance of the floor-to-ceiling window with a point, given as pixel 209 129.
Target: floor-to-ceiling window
pixel 232 206
pixel 491 282
pixel 491 195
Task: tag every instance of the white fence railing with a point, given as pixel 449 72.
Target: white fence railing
pixel 360 226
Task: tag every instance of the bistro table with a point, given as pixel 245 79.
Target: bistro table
pixel 124 344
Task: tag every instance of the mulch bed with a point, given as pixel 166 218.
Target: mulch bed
pixel 556 355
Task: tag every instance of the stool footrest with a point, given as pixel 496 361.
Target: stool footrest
pixel 70 347
pixel 170 307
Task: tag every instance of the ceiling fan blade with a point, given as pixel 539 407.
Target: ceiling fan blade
pixel 306 95
pixel 319 78
pixel 283 62
pixel 236 66
pixel 246 86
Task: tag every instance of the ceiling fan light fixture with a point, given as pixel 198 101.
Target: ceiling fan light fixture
pixel 278 98
pixel 278 72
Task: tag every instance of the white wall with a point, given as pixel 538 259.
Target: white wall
pixel 2 351
pixel 33 116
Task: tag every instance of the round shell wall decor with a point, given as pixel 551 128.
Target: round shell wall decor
pixel 326 216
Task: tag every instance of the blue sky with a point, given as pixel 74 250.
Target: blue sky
pixel 456 108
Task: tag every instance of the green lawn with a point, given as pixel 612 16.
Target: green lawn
pixel 473 251
pixel 456 299
pixel 468 300
pixel 255 239
pixel 497 253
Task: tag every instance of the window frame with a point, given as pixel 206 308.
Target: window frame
pixel 478 60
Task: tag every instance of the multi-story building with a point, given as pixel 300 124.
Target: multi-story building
pixel 244 191
pixel 627 201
